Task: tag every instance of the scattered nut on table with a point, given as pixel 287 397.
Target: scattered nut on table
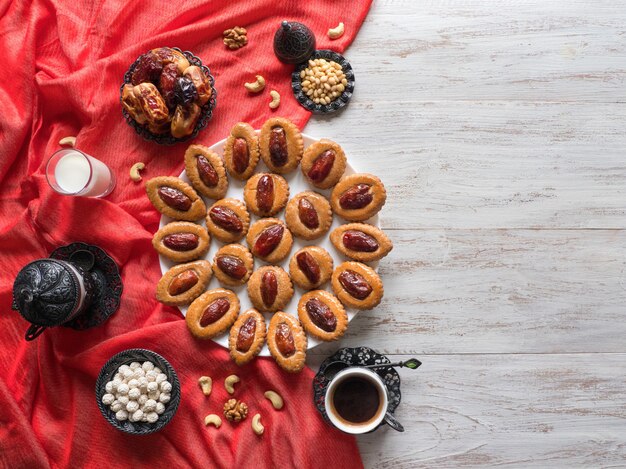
pixel 229 383
pixel 206 384
pixel 337 32
pixel 235 410
pixel 213 419
pixel 256 86
pixel 68 141
pixel 275 399
pixel 275 99
pixel 134 171
pixel 257 426
pixel 236 37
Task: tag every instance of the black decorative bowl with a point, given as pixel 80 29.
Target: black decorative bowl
pixel 205 115
pixel 124 358
pixel 341 101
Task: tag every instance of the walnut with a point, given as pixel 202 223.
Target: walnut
pixel 235 38
pixel 235 410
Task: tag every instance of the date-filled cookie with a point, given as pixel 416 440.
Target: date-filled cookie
pixel 269 240
pixel 270 288
pixel 361 242
pixel 212 313
pixel 205 170
pixel 247 337
pixel 358 197
pixel 266 194
pixel 322 315
pixel 183 283
pixel 323 164
pixel 357 285
pixel 311 267
pixel 287 341
pixel 308 215
pixel 175 198
pixel 241 151
pixel 228 220
pixel 181 241
pixel 280 145
pixel 233 264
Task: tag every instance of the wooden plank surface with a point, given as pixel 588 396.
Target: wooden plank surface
pixel 499 128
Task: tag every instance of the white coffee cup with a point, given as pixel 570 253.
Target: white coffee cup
pixel 345 425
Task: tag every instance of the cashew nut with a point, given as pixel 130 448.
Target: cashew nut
pixel 134 171
pixel 68 141
pixel 213 419
pixel 275 399
pixel 275 99
pixel 256 86
pixel 229 382
pixel 206 383
pixel 257 426
pixel 335 33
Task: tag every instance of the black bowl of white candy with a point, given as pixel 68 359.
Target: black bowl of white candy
pixel 138 391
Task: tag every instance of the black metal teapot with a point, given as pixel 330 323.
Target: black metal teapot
pixel 50 292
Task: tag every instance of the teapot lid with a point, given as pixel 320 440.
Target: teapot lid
pixel 46 292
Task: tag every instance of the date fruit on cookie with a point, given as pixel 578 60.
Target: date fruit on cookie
pixel 241 151
pixel 270 288
pixel 361 242
pixel 181 241
pixel 357 285
pixel 322 315
pixel 311 267
pixel 323 164
pixel 233 264
pixel 228 220
pixel 358 197
pixel 287 342
pixel 308 215
pixel 183 283
pixel 175 198
pixel 247 337
pixel 266 194
pixel 206 171
pixel 281 145
pixel 212 313
pixel 269 240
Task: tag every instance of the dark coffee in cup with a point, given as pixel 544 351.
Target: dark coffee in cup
pixel 356 400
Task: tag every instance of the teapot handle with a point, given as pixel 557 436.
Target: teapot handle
pixel 34 331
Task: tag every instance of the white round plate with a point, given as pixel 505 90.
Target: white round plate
pixel 297 183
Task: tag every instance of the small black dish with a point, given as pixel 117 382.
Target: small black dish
pixel 341 101
pixel 205 116
pixel 106 279
pixel 125 358
pixel 358 356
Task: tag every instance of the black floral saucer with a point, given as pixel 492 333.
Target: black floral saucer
pixel 358 356
pixel 107 285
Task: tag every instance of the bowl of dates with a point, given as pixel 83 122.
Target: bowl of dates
pixel 168 95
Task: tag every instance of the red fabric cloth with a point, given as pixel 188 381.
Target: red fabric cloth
pixel 62 65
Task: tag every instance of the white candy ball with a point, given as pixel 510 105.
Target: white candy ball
pixel 116 406
pixel 132 406
pixel 123 368
pixel 123 399
pixel 123 389
pixel 116 383
pixel 164 397
pixel 138 415
pixel 154 395
pixel 118 377
pixel 151 375
pixel 127 374
pixel 109 387
pixel 166 386
pixel 142 399
pixel 108 399
pixel 153 417
pixel 134 393
pixel 160 378
pixel 138 373
pixel 133 383
pixel 147 366
pixel 134 365
pixel 121 415
pixel 152 386
pixel 150 405
pixel 160 408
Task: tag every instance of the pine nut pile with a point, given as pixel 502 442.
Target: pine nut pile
pixel 323 81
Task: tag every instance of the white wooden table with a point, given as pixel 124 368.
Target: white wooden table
pixel 499 129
